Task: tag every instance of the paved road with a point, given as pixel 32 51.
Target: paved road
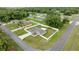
pixel 59 44
pixel 22 44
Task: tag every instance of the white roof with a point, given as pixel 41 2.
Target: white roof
pixel 43 28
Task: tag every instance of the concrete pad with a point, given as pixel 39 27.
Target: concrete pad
pixel 70 22
pixel 16 29
pixel 77 23
pixel 24 36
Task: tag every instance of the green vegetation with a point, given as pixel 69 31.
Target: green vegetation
pixel 73 41
pixel 49 32
pixel 3 45
pixel 52 19
pixel 71 18
pixel 20 32
pixel 12 26
pixel 69 11
pixel 54 38
pixel 36 42
pixel 41 43
pixel 8 14
pixel 7 44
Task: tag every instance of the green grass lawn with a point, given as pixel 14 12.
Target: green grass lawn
pixel 41 43
pixel 34 19
pixel 73 42
pixel 33 23
pixel 54 38
pixel 20 32
pixel 12 26
pixel 11 45
pixel 42 22
pixel 36 42
pixel 49 32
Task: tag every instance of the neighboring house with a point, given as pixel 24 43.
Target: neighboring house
pixel 31 16
pixel 63 17
pixel 26 23
pixel 38 16
pixel 15 21
pixel 37 31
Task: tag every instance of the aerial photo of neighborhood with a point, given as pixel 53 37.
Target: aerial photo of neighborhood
pixel 39 29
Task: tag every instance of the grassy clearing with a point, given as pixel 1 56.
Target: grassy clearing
pixel 12 26
pixel 20 32
pixel 36 42
pixel 73 42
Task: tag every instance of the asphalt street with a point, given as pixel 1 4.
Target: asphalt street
pixel 60 43
pixel 21 43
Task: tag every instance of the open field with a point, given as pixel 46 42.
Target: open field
pixel 73 42
pixel 20 32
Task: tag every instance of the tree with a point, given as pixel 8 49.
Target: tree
pixel 65 20
pixel 3 45
pixel 54 21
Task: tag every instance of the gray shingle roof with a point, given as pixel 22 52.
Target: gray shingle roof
pixel 37 31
